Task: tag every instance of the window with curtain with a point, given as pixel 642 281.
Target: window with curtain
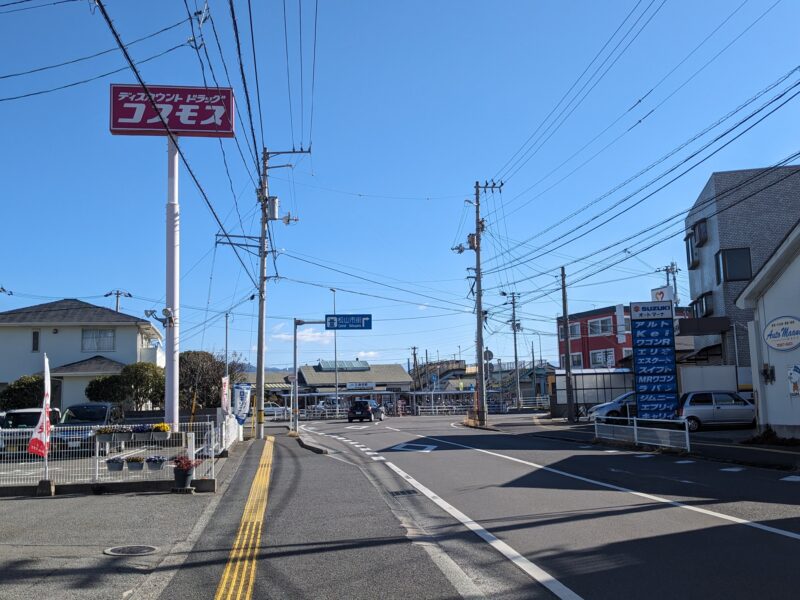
pixel 97 340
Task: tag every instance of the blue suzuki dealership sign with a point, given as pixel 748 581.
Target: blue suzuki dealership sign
pixel 655 373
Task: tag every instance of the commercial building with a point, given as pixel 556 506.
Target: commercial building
pixel 599 338
pixel 773 297
pixel 734 226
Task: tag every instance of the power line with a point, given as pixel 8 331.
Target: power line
pixel 172 137
pixel 313 75
pixel 288 77
pixel 13 10
pixel 90 79
pixel 244 82
pixel 255 68
pixel 675 167
pixel 574 83
pixel 638 103
pixel 302 93
pixel 90 56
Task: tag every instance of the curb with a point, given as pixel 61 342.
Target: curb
pixel 309 445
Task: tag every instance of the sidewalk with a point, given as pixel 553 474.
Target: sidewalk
pixel 716 444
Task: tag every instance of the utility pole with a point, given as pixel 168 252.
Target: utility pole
pixel 226 344
pixel 515 326
pixel 567 355
pixel 474 243
pixel 117 293
pixel 671 269
pixel 533 371
pixel 335 354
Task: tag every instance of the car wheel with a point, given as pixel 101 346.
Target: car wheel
pixel 361 420
pixel 349 420
pixel 694 423
pixel 381 416
pixel 371 418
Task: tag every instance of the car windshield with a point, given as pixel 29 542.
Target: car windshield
pixel 21 420
pixel 360 404
pixel 85 414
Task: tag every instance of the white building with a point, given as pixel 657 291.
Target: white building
pixel 774 296
pixel 82 342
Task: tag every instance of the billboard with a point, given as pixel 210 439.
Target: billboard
pixel 655 373
pixel 188 111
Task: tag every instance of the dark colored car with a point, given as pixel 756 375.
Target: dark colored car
pixel 73 432
pixel 365 409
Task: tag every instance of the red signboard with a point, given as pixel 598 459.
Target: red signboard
pixel 188 111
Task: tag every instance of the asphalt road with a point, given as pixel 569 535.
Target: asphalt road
pixel 525 516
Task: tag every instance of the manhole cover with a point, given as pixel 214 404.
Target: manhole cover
pixel 403 493
pixel 130 550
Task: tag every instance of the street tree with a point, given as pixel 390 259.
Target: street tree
pixel 25 392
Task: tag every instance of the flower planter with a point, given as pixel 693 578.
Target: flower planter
pixel 142 436
pixel 135 466
pixel 124 436
pixel 105 437
pixel 160 436
pixel 183 477
pixel 115 466
pixel 156 466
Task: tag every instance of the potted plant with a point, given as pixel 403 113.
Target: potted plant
pixel 115 464
pixel 104 434
pixel 141 433
pixel 122 433
pixel 161 432
pixel 155 463
pixel 184 470
pixel 135 463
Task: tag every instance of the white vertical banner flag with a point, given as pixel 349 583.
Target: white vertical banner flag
pixel 40 440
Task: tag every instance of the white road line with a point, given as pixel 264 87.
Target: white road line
pixel 643 456
pixel 612 451
pixel 370 453
pixel 791 478
pixel 684 462
pixel 611 486
pixel 392 428
pixel 378 458
pixel 732 469
pixel 533 571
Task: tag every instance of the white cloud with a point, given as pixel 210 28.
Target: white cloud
pixel 422 307
pixel 367 354
pixel 278 327
pixel 307 335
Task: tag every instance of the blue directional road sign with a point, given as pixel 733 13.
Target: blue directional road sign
pixel 348 321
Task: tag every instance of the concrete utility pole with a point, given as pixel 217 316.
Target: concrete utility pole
pixel 567 355
pixel 335 353
pixel 515 326
pixel 117 293
pixel 671 269
pixel 269 212
pixel 474 243
pixel 226 344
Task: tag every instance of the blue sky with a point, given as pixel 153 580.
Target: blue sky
pixel 412 103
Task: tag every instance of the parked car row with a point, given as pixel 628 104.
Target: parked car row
pixel 698 409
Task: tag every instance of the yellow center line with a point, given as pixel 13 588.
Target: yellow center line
pixel 239 575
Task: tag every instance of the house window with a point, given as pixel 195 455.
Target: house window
pixel 691 255
pixel 602 358
pixel 574 331
pixel 703 306
pixel 626 352
pixel 97 340
pixel 602 326
pixel 700 230
pixel 577 360
pixel 35 341
pixel 733 265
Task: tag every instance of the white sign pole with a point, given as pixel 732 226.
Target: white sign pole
pixel 171 312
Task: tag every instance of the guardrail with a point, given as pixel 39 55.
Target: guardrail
pixel 78 454
pixel 540 402
pixel 644 432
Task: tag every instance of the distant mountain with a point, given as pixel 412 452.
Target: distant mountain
pixel 252 369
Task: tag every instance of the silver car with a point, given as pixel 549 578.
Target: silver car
pixel 715 407
pixel 615 411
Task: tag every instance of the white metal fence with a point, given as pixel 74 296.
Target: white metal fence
pixel 650 432
pixel 79 454
pixel 538 402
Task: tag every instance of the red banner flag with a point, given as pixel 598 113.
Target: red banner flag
pixel 40 440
